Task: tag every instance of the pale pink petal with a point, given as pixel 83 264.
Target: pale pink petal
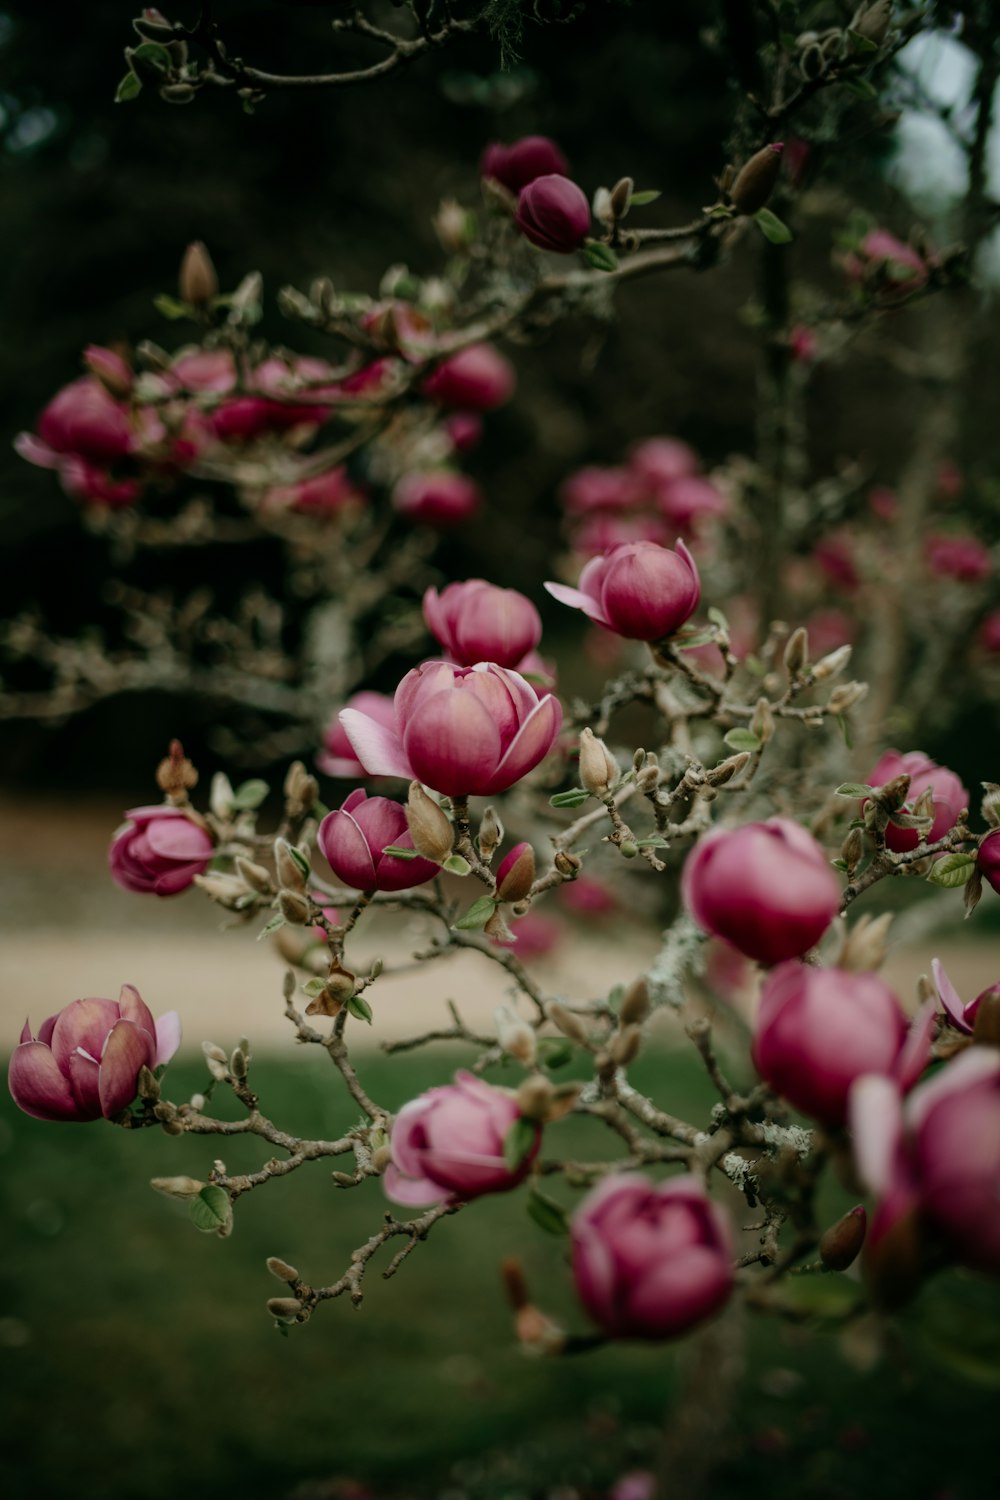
pixel 413 1192
pixel 875 1117
pixel 577 600
pixel 84 1077
pixel 168 1037
pixel 134 1008
pixel 916 1051
pixel 179 838
pixel 532 742
pixel 949 996
pixel 38 1087
pixel 378 749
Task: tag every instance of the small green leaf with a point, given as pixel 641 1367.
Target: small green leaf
pixel 718 618
pixel 477 916
pixel 171 308
pixel 299 860
pixel 771 227
pixel 861 87
pixel 152 54
pixel 741 739
pixel 845 729
pixel 853 789
pixel 249 796
pixel 313 987
pixel 129 87
pixel 576 798
pixel 455 864
pixel 840 864
pixel 600 256
pixel 859 43
pixel 211 1211
pixel 554 1052
pixel 654 842
pixel 398 852
pixel 952 871
pixel 547 1213
pixel 360 1009
pixel 320 809
pixel 276 921
pixel 518 1141
pixel 696 638
pixel 646 195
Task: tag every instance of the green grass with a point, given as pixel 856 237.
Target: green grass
pixel 138 1359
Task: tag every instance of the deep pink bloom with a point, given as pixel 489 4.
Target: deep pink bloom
pixel 834 556
pixel 989 632
pixel 93 485
pixel 459 730
pixel 448 1143
pixel 684 502
pixel 960 557
pixel 659 461
pixel 640 590
pixel 84 418
pixel 988 859
pixel 651 1261
pixel 950 796
pixel 114 373
pixel 438 497
pixel 337 758
pixel 553 213
pixel 320 495
pixel 817 1030
pixel 962 1017
pixel 160 849
pixel 534 935
pixel 598 487
pixel 767 888
pixel 937 1156
pixel 803 344
pixel 522 161
pixel 882 258
pixel 465 429
pixel 204 370
pixel 478 378
pixel 588 897
pixel 476 621
pixel 352 839
pixel 85 1060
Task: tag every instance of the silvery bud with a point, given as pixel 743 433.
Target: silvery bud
pixel 598 768
pixel 569 1024
pixel 227 890
pixel 762 723
pixel 621 197
pixel 198 284
pixel 515 1036
pixel 625 1047
pixel 726 769
pixel 635 1003
pixel 865 947
pixel 281 1269
pixel 490 834
pixel 285 1309
pixel 844 697
pixel 177 1187
pixel 429 827
pixel 648 779
pixel 147 1084
pixel 603 212
pixel 534 1097
pixel 301 790
pixel 873 21
pixel 213 1051
pixel 796 654
pixel 239 1063
pixel 295 908
pixel 852 849
pixel 255 876
pixel 834 662
pixel 220 797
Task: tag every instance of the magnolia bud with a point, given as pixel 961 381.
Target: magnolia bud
pixel 986 1022
pixel 285 1309
pixel 227 890
pixel 515 878
pixel 454 226
pixel 598 767
pixel 534 1097
pixel 381 1157
pixel 490 834
pixel 635 1003
pixel 220 797
pixel 603 212
pixel 726 769
pixel 301 790
pixel 628 849
pixel 892 794
pixel 239 1063
pixel 295 908
pixel 175 774
pixel 832 663
pixel 625 1047
pixel 762 723
pixel 797 652
pixel 515 1036
pixel 567 1022
pixel 865 948
pixel 255 876
pixel 873 21
pixel 281 1269
pixel 430 828
pixel 840 1246
pixel 852 849
pixel 213 1051
pixel 177 93
pixel 496 928
pixel 289 864
pixel 177 1187
pixel 621 197
pixel 199 284
pixel 844 697
pixel 568 865
pixel 756 179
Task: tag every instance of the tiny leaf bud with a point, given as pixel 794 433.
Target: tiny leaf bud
pixel 568 865
pixel 284 1309
pixel 625 1047
pixel 515 1036
pixel 762 723
pixel 834 662
pixel 796 654
pixel 534 1097
pixel 490 834
pixel 873 21
pixel 295 908
pixel 199 284
pixel 177 1187
pixel 175 775
pixel 281 1269
pixel 255 876
pixel 288 863
pixel 621 197
pixel 756 179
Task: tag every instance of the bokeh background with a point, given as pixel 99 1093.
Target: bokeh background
pixel 136 1356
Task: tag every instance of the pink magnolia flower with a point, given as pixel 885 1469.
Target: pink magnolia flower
pixel 521 162
pixel 888 264
pixel 478 378
pixel 767 888
pixel 949 795
pixel 337 758
pixel 534 935
pixel 803 344
pixel 588 897
pixel 599 487
pixel 988 859
pixel 437 497
pixel 159 849
pixel 476 621
pixel 817 1030
pixel 989 633
pixel 84 418
pixel 85 1061
pixel 960 557
pixel 687 501
pixel 834 556
pixel 553 213
pixel 448 1143
pixel 660 461
pixel 650 1261
pixel 464 429
pixel 320 495
pixel 352 839
pixel 884 502
pixel 459 730
pixel 114 372
pixel 962 1017
pixel 936 1157
pixel 640 590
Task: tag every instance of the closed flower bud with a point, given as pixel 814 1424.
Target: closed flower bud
pixel 515 1036
pixel 534 1097
pixel 834 662
pixel 516 874
pixel 625 1047
pixel 284 1309
pixel 213 1051
pixel 449 1144
pixel 635 1003
pixel 490 834
pixel 852 849
pixel 841 1244
pixel 175 774
pixel 846 696
pixel 220 798
pixel 281 1269
pixel 569 1024
pixel 199 284
pixel 430 829
pixel 238 1063
pixel 598 768
pixel 229 891
pixel 905 778
pixel 301 790
pixel 553 213
pixel 621 197
pixel 762 723
pixel 986 1019
pixel 873 21
pixel 726 769
pixel 988 859
pixel 648 779
pixel 295 908
pixel 289 866
pixel 254 875
pixel 183 1188
pixel 756 179
pixel 796 655
pixel 570 865
pixel 865 948
pixel 639 590
pixel 147 1084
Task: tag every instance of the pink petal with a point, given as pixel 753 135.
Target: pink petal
pixel 378 749
pixel 168 1037
pixel 37 1086
pixel 875 1116
pixel 84 1024
pixel 177 879
pixel 414 1192
pixel 179 838
pixel 949 996
pixel 531 743
pixel 126 1051
pixel 452 743
pixel 577 600
pixel 134 1008
pixel 35 451
pixel 916 1050
pixel 84 1078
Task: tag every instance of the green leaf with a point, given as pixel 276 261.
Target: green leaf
pixel 152 54
pixel 853 789
pixel 576 798
pixel 456 864
pixel 276 921
pixel 952 871
pixel 696 638
pixel 211 1211
pixel 771 227
pixel 129 87
pixel 741 739
pixel 477 916
pixel 654 842
pixel 171 308
pixel 547 1213
pixel 845 729
pixel 518 1141
pixel 398 852
pixel 299 860
pixel 313 987
pixel 861 87
pixel 249 796
pixel 320 809
pixel 647 195
pixel 859 43
pixel 360 1009
pixel 718 618
pixel 600 256
pixel 554 1052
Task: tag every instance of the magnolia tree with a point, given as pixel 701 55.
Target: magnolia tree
pixel 763 807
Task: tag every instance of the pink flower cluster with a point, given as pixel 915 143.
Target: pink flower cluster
pixel 551 210
pixel 658 493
